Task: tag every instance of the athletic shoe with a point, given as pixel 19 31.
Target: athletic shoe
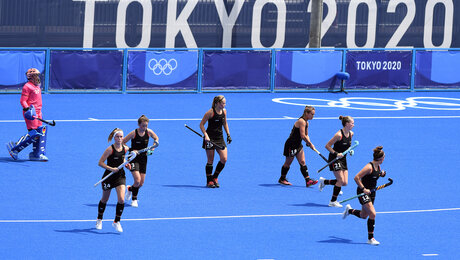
pixel 41 157
pixel 311 182
pixel 128 194
pixel 346 213
pixel 99 224
pixel 9 147
pixel 335 204
pixel 284 182
pixel 134 204
pixel 321 183
pixel 211 184
pixel 117 226
pixel 340 193
pixel 373 242
pixel 216 183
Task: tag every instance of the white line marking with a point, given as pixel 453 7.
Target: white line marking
pixel 429 254
pixel 241 119
pixel 223 217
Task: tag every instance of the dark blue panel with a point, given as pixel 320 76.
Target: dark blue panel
pixel 98 70
pixel 437 69
pixel 14 64
pixel 167 70
pixel 307 69
pixel 379 69
pixel 236 70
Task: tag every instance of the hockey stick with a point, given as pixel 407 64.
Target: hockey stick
pixel 51 123
pixel 324 158
pixel 356 143
pixel 131 157
pixel 200 135
pixel 362 194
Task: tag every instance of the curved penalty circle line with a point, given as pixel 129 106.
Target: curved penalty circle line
pixel 227 217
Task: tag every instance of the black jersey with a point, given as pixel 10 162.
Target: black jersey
pixel 343 144
pixel 340 146
pixel 215 124
pixel 139 143
pixel 370 180
pixel 294 138
pixel 116 158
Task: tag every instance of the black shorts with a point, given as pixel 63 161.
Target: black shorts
pixel 218 141
pixel 113 181
pixel 291 150
pixel 366 198
pixel 141 167
pixel 340 164
pixel 139 164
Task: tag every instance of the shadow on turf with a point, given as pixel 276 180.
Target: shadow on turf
pixel 11 160
pixel 310 205
pixel 185 186
pixel 108 205
pixel 338 240
pixel 277 185
pixel 87 230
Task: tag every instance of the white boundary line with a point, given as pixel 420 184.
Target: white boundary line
pixel 91 119
pixel 226 217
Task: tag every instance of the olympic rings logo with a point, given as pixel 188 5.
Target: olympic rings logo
pixel 377 104
pixel 162 66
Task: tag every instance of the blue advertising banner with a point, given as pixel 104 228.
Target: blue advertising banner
pixel 14 65
pixel 162 70
pixel 91 70
pixel 379 69
pixel 437 69
pixel 228 24
pixel 307 69
pixel 236 70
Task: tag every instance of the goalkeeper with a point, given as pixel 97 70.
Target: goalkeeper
pixel 31 102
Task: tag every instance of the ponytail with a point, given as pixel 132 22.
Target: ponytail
pixel 113 133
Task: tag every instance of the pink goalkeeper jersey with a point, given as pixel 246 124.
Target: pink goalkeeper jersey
pixel 32 95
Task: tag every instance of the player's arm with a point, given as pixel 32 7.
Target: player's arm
pixel 153 135
pixel 104 157
pixel 304 133
pixel 331 142
pixel 229 139
pixel 364 171
pixel 206 117
pixel 24 97
pixel 128 137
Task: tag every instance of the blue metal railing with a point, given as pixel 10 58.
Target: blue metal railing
pixel 201 52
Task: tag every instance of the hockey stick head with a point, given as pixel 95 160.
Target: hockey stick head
pixel 131 156
pixel 390 181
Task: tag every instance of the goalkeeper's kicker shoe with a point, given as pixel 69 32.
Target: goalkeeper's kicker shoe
pixel 9 147
pixel 41 157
